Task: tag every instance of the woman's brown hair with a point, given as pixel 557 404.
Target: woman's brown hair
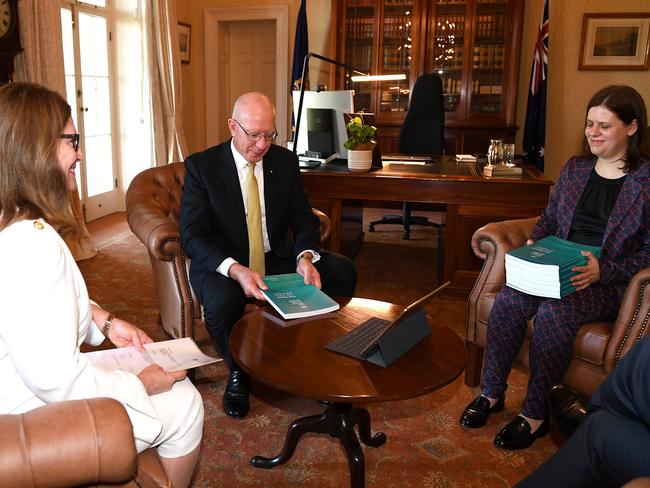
pixel 628 105
pixel 32 184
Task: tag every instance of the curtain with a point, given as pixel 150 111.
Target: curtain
pixel 161 45
pixel 42 62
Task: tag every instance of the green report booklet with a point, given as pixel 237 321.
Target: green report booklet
pixel 544 268
pixel 293 299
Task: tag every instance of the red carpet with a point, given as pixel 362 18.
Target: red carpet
pixel 426 447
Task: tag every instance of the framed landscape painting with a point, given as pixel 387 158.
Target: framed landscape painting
pixel 614 41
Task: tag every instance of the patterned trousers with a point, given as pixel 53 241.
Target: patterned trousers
pixel 555 327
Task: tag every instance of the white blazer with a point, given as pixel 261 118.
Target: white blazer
pixel 45 315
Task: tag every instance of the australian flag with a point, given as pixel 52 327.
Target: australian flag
pixel 535 128
pixel 300 50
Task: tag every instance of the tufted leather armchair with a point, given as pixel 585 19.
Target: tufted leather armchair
pixel 73 443
pixel 598 345
pixel 152 208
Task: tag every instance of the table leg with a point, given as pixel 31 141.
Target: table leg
pixel 361 417
pixel 313 423
pixel 338 420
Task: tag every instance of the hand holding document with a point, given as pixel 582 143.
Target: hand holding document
pixel 173 355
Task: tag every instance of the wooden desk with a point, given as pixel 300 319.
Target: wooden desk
pixel 472 201
pixel 293 358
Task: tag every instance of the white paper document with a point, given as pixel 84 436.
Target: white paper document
pixel 172 355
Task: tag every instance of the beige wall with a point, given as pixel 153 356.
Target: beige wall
pixel 569 89
pixel 193 74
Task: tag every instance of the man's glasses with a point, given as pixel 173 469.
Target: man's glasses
pixel 74 138
pixel 258 136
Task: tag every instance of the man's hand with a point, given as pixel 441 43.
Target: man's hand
pixel 308 271
pixel 249 280
pixel 588 274
pixel 157 380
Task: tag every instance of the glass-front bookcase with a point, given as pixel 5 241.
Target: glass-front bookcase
pixel 378 40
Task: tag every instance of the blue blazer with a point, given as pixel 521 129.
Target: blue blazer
pixel 626 242
pixel 213 219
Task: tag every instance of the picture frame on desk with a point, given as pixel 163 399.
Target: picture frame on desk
pixel 615 41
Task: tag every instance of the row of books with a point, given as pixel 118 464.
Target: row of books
pixel 360 58
pixel 399 27
pixel 544 268
pixel 397 60
pixel 360 27
pixel 491 25
pixel 488 56
pixel 451 85
pixel 485 89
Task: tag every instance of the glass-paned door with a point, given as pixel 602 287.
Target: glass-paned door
pixel 488 60
pixel 359 47
pixel 449 50
pixel 397 40
pixel 87 75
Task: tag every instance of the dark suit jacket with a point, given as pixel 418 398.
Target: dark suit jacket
pixel 213 219
pixel 626 242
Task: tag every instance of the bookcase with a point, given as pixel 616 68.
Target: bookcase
pixel 473 44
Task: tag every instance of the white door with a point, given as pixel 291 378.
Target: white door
pixel 250 66
pixel 86 38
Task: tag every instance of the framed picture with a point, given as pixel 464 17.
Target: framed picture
pixel 615 41
pixel 184 38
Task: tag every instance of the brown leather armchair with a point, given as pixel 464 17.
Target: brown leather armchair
pixel 75 443
pixel 598 345
pixel 152 208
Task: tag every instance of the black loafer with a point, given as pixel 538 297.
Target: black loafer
pixel 476 413
pixel 516 435
pixel 235 398
pixel 567 410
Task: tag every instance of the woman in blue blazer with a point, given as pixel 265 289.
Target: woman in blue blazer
pixel 601 199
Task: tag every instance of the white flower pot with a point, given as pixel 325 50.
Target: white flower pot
pixel 359 161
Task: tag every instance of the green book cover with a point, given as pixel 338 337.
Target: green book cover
pixel 554 251
pixel 289 295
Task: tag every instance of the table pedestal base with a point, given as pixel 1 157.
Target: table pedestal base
pixel 338 420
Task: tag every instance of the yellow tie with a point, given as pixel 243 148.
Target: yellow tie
pixel 254 223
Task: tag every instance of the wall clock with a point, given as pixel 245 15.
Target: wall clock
pixel 9 38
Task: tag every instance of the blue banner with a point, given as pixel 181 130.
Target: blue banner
pixel 300 50
pixel 535 128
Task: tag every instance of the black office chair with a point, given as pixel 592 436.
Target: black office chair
pixel 422 133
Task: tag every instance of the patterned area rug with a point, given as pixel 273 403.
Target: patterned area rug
pixel 426 447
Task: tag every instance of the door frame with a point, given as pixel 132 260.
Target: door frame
pixel 214 18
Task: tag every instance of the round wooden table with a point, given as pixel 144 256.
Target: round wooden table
pixel 291 356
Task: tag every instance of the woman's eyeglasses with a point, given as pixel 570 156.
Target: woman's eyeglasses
pixel 258 136
pixel 74 139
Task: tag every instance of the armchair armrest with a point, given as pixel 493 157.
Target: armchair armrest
pixel 491 243
pixel 68 443
pixel 632 321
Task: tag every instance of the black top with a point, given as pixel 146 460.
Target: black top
pixel 592 213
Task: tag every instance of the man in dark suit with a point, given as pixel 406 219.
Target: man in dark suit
pixel 221 229
pixel 611 447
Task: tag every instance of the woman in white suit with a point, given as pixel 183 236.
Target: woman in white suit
pixel 45 312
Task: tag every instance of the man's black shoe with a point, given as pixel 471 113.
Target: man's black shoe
pixel 235 398
pixel 516 435
pixel 567 409
pixel 476 413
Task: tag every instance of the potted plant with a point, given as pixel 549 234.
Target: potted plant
pixel 360 144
